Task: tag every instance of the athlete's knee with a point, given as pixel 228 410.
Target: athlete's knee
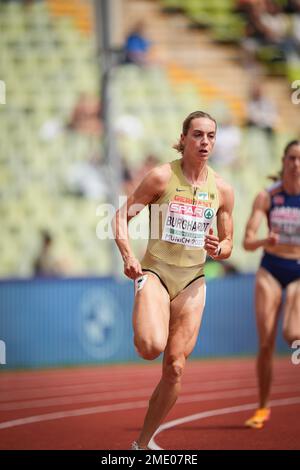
pixel 149 350
pixel 266 348
pixel 173 369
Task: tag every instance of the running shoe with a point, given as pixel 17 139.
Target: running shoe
pixel 259 418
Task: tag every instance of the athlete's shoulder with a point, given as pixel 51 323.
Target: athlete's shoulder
pixel 275 188
pixel 160 174
pixel 262 200
pixel 157 179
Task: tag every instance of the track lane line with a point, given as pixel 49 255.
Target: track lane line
pixel 109 408
pixel 217 412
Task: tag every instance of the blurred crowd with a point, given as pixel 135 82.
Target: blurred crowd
pixel 272 23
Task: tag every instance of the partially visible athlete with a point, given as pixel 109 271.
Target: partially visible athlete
pixel 279 269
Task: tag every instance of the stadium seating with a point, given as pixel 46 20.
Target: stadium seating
pixel 47 60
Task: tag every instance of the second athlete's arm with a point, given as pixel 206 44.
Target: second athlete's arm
pixel 259 212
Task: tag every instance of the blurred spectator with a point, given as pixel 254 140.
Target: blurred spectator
pixel 87 179
pixel 148 164
pixel 132 179
pixel 261 111
pixel 47 263
pixel 292 6
pixel 127 125
pixel 85 118
pixel 127 178
pixel 296 27
pixel 268 25
pixel 227 146
pixel 137 46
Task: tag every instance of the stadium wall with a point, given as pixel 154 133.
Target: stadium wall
pixel 52 322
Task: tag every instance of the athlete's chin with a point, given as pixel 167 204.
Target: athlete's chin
pixel 203 155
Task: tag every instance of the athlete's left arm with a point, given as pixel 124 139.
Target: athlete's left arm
pixel 225 220
pixel 220 246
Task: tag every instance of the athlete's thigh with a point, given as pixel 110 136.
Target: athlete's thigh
pixel 151 311
pixel 291 320
pixel 268 294
pixel 185 319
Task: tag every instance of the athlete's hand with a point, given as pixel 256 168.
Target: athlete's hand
pixel 211 243
pixel 272 239
pixel 132 267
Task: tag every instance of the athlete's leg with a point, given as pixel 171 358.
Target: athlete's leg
pixel 151 317
pixel 291 320
pixel 268 295
pixel 185 320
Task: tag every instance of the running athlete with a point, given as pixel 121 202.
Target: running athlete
pixel 279 269
pixel 184 198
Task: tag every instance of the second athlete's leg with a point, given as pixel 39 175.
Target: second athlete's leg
pixel 268 295
pixel 291 320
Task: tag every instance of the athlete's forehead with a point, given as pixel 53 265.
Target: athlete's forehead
pixel 202 124
pixel 293 151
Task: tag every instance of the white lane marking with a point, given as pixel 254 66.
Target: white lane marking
pixel 104 386
pixel 141 393
pixel 218 412
pixel 68 414
pixel 110 408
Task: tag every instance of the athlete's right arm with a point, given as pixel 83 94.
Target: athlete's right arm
pixel 150 189
pixel 259 212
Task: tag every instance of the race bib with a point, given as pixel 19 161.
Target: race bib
pixel 286 222
pixel 187 224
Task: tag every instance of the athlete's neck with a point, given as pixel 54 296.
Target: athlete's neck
pixel 291 186
pixel 194 174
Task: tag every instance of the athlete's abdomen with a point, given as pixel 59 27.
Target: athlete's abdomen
pixel 285 251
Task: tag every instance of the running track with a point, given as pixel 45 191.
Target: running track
pixel 103 407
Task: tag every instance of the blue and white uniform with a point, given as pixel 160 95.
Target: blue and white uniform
pixel 283 219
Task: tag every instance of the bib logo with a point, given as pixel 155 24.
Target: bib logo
pixel 2 353
pixel 203 196
pixel 209 213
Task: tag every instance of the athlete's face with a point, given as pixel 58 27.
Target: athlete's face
pixel 291 162
pixel 200 139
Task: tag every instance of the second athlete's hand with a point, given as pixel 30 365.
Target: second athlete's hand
pixel 211 243
pixel 273 239
pixel 132 267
